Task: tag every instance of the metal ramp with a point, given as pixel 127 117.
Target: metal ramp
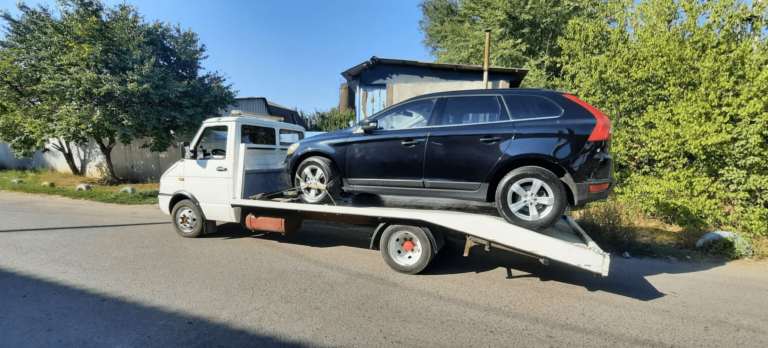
pixel 565 242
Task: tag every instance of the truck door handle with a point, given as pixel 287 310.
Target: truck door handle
pixel 410 142
pixel 489 139
pixel 221 169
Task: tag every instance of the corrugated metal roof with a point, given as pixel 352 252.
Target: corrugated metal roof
pixel 251 105
pixel 356 70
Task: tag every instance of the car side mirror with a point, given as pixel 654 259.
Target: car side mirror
pixel 186 152
pixel 369 125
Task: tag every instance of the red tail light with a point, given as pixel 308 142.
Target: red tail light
pixel 602 130
pixel 599 187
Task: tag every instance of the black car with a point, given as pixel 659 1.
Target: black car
pixel 532 151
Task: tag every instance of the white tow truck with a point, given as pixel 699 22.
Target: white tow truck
pixel 233 171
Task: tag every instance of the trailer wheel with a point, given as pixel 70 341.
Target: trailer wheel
pixel 187 219
pixel 406 248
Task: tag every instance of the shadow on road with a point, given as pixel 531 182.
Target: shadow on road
pixel 83 227
pixel 627 276
pixel 39 313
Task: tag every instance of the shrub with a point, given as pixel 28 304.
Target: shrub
pixel 731 247
pixel 605 223
pixel 327 121
pixel 684 83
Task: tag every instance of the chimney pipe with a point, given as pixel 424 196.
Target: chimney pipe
pixel 485 63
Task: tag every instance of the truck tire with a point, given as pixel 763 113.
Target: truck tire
pixel 406 249
pixel 531 197
pixel 187 219
pixel 318 170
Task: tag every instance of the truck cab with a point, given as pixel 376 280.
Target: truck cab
pixel 210 163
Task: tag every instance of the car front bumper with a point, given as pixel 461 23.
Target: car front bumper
pixel 290 160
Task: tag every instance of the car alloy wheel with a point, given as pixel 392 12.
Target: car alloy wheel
pixel 313 175
pixel 530 199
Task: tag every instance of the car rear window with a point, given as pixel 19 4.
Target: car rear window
pixel 288 137
pixel 257 135
pixel 472 110
pixel 530 106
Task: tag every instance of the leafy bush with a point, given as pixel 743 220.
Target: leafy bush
pixel 605 223
pixel 327 121
pixel 731 247
pixel 684 83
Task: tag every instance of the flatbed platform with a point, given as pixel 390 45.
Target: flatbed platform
pixel 565 242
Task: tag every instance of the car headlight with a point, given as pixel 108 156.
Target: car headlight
pixel 292 148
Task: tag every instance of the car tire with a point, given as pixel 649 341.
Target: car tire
pixel 406 249
pixel 322 171
pixel 532 210
pixel 187 219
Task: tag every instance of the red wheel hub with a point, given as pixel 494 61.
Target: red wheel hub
pixel 184 220
pixel 408 245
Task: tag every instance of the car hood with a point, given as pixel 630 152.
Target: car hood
pixel 335 135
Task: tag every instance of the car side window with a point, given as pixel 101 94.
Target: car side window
pixel 412 115
pixel 213 143
pixel 530 106
pixel 257 135
pixel 472 110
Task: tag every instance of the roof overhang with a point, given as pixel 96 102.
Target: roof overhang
pixel 355 71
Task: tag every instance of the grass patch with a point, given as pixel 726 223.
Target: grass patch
pixel 65 183
pixel 760 247
pixel 618 228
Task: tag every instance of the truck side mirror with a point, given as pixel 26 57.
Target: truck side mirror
pixel 369 125
pixel 186 152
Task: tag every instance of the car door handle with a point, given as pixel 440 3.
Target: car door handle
pixel 410 142
pixel 221 169
pixel 490 139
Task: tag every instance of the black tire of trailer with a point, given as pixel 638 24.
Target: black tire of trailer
pixel 398 234
pixel 184 207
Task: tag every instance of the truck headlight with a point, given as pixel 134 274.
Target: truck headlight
pixel 292 148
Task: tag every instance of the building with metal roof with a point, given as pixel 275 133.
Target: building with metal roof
pixel 381 82
pixel 261 106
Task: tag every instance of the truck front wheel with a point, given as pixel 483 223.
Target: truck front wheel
pixel 187 219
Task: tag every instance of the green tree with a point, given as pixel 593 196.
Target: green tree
pixel 525 32
pixel 93 72
pixel 685 85
pixel 327 121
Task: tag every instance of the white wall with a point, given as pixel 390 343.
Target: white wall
pixel 403 91
pixel 130 162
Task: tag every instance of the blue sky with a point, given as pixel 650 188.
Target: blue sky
pixel 291 52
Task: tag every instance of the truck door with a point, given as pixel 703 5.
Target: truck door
pixel 209 176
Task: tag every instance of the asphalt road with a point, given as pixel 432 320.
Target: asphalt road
pixel 79 274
